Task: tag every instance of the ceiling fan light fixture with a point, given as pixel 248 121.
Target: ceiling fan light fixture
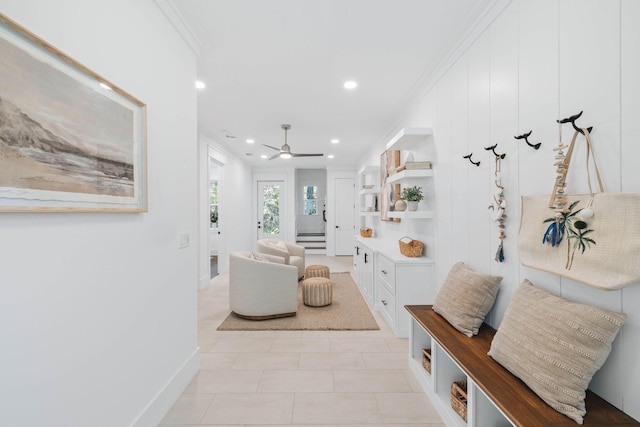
pixel 285 155
pixel 350 84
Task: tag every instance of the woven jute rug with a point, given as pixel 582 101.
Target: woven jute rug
pixel 347 312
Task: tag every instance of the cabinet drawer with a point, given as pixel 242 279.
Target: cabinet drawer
pixel 387 272
pixel 387 304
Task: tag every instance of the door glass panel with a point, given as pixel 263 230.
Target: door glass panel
pixel 271 209
pixel 213 204
pixel 310 197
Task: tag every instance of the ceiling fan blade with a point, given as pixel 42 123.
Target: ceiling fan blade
pixel 305 155
pixel 275 156
pixel 273 148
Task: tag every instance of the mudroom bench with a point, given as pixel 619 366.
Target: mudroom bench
pixel 439 355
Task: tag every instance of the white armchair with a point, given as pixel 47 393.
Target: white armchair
pixel 293 254
pixel 260 289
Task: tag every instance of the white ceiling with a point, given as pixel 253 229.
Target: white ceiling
pixel 269 62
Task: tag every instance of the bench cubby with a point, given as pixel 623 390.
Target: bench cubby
pixel 495 397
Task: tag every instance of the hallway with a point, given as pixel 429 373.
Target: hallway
pixel 299 377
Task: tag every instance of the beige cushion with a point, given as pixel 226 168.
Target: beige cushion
pixel 465 298
pixel 280 245
pixel 555 346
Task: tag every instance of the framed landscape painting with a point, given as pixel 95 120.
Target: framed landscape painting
pixel 69 139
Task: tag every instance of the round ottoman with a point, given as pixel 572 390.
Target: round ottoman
pixel 316 291
pixel 317 270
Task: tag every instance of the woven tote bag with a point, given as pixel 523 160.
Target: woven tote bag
pixel 602 250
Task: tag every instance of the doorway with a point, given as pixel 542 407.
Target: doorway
pixel 344 216
pixel 271 217
pixel 214 215
pixel 311 218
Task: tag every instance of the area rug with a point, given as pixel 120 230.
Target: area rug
pixel 347 312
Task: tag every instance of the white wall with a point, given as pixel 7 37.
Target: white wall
pixel 98 312
pixel 540 60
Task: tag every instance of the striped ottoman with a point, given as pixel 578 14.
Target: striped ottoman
pixel 317 270
pixel 316 291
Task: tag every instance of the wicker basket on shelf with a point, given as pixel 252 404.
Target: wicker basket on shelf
pixel 426 359
pixel 410 248
pixel 459 398
pixel 366 232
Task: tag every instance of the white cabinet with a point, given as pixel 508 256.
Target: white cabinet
pixel 400 282
pixel 363 267
pixel 389 280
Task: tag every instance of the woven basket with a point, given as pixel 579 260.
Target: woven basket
pixel 426 359
pixel 366 232
pixel 413 248
pixel 459 398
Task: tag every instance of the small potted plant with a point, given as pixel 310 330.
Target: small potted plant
pixel 412 195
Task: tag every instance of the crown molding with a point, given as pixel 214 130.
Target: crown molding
pixel 180 24
pixel 469 32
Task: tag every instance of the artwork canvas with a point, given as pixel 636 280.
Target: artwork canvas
pixel 69 139
pixel 389 162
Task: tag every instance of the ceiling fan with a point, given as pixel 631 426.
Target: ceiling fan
pixel 285 150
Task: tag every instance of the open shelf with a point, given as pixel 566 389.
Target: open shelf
pixel 412 173
pixel 411 214
pixel 407 138
pixel 373 191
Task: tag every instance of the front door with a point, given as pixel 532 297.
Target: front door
pixel 344 206
pixel 270 215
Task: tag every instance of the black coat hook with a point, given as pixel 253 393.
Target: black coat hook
pixel 572 120
pixel 525 136
pixel 493 148
pixel 468 156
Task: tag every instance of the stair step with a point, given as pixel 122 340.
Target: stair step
pixel 310 238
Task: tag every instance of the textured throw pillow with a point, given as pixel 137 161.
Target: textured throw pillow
pixel 280 245
pixel 258 257
pixel 465 298
pixel 555 346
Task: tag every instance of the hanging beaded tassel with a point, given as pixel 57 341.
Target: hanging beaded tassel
pixel 498 208
pixel 555 232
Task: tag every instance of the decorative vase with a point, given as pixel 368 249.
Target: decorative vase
pixel 400 205
pixel 413 206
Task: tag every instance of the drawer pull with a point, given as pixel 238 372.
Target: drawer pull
pixel 383 302
pixel 383 271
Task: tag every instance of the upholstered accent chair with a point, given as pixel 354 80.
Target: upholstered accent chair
pixel 261 286
pixel 293 254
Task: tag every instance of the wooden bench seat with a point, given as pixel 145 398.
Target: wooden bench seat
pixel 521 405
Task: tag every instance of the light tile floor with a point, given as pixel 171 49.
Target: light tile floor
pixel 295 378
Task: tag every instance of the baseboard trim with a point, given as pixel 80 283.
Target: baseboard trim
pixel 167 396
pixel 203 282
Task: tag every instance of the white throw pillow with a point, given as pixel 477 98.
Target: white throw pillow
pixel 554 345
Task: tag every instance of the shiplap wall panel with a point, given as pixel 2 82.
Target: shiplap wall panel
pixel 479 112
pixel 630 100
pixel 462 169
pixel 504 125
pixel 589 70
pixel 443 175
pixel 630 158
pixel 570 55
pixel 538 109
pixel 589 75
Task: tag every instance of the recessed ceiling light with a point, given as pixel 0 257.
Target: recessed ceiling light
pixel 335 141
pixel 330 156
pixel 200 85
pixel 351 84
pixel 263 156
pixel 105 86
pixel 250 141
